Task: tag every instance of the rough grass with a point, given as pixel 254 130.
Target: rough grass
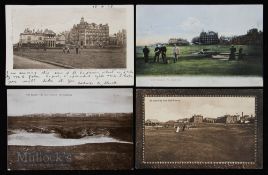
pixel 89 58
pixel 200 66
pixel 105 156
pixel 213 142
pixel 188 65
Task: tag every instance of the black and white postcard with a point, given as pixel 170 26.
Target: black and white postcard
pixel 70 129
pixel 195 128
pixel 82 45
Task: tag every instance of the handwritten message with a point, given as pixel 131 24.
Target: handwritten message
pixel 70 77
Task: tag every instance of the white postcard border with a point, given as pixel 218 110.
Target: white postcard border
pixel 70 77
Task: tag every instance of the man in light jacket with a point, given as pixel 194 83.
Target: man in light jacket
pixel 175 53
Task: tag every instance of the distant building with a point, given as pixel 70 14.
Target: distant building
pixel 89 34
pixel 178 41
pixel 183 120
pixel 36 38
pixel 206 38
pixel 152 122
pixel 209 120
pixel 121 38
pixel 225 40
pixel 209 37
pixel 247 118
pixel 227 119
pixel 196 119
pixel 95 35
pixel 112 39
pixel 170 123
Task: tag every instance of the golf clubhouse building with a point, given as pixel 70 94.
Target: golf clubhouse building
pixel 40 38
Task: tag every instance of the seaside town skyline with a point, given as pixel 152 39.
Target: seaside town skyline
pixel 186 107
pixel 32 101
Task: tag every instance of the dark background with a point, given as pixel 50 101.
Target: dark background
pixel 3 88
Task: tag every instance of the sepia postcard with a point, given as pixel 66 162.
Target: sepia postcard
pixel 70 129
pixel 197 128
pixel 62 38
pixel 199 45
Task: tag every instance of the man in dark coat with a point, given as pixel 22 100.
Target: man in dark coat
pixel 146 54
pixel 232 53
pixel 156 54
pixel 163 53
pixel 240 53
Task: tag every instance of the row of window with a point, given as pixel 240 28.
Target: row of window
pixel 89 32
pixel 95 36
pixel 93 28
pixel 29 38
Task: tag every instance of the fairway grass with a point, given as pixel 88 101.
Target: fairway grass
pixel 88 58
pixel 200 66
pixel 215 142
pixel 189 65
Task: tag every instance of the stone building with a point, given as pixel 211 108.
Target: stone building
pixel 60 39
pixel 32 38
pixel 183 120
pixel 209 37
pixel 206 38
pixel 152 122
pixel 50 38
pixel 209 120
pixel 89 34
pixel 121 38
pixel 196 119
pixel 247 118
pixel 225 40
pixel 112 40
pixel 118 39
pixel 227 119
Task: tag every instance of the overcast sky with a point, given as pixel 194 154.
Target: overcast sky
pixel 30 101
pixel 158 23
pixel 62 18
pixel 184 107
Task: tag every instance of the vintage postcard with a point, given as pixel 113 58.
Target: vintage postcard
pixel 70 129
pixel 196 128
pixel 67 39
pixel 199 45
